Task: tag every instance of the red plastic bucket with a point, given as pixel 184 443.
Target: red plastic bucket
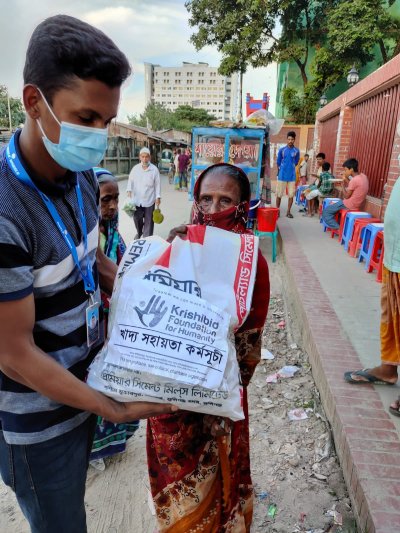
pixel 266 218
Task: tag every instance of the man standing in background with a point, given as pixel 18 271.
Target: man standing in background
pixel 287 160
pixel 144 188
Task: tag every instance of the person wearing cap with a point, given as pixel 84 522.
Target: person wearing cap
pixel 144 188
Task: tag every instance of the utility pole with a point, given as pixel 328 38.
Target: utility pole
pixel 9 111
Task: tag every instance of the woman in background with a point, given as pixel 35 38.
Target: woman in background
pixel 109 438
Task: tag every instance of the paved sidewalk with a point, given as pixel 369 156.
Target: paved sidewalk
pixel 338 307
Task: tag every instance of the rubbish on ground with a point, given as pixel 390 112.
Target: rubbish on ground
pixel 272 378
pixel 288 371
pixel 337 517
pixel 322 447
pixel 321 477
pixel 297 414
pixel 268 404
pixel 266 354
pixel 262 495
pixel 282 324
pixel 271 510
pixel 293 346
pixel 302 517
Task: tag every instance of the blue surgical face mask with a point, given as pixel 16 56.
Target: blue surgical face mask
pixel 79 147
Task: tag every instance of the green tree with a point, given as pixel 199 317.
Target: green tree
pixel 246 32
pixel 356 27
pixel 156 116
pixel 160 118
pixel 17 110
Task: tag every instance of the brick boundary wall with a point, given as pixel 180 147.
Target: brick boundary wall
pixel 383 78
pixel 366 440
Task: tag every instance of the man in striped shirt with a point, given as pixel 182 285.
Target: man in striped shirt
pixel 49 274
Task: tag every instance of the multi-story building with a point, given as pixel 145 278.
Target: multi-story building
pixel 194 84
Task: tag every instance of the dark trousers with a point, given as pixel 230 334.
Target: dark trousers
pixel 143 219
pixel 49 479
pixel 182 179
pixel 328 214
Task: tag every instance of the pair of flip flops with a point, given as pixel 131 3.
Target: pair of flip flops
pixel 367 378
pixel 289 215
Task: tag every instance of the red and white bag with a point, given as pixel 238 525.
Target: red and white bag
pixel 174 311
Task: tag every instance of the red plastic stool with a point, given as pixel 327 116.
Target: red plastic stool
pixel 376 260
pixel 356 241
pixel 340 218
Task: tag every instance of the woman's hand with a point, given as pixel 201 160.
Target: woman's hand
pixel 218 426
pixel 179 231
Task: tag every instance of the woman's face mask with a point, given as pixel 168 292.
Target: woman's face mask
pixel 79 147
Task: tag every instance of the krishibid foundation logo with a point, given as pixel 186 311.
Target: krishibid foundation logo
pixel 151 313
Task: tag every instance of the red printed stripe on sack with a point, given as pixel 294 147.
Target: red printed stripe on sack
pixel 243 275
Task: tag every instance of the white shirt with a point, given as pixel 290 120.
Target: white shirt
pixel 144 184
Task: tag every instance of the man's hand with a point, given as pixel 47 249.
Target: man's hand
pixel 118 412
pixel 158 202
pixel 179 231
pixel 129 194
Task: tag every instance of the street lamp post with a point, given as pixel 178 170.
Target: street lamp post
pixel 353 76
pixel 323 100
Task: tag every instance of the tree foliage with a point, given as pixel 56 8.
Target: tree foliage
pixel 356 27
pixel 158 117
pixel 17 110
pixel 342 32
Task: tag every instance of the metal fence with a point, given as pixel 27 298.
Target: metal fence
pixel 372 135
pixel 329 130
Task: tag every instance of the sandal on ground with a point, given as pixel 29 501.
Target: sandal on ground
pixel 368 378
pixel 289 215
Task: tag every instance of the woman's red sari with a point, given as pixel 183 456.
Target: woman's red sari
pixel 200 483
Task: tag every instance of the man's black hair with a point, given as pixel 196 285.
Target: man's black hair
pixel 321 155
pixel 352 164
pixel 326 166
pixel 306 155
pixel 236 173
pixel 291 134
pixel 62 48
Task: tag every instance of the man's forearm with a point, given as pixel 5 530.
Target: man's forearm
pixel 38 371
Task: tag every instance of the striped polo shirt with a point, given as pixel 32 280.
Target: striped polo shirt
pixel 34 258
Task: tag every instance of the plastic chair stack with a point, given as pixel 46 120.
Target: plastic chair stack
pixel 349 226
pixel 267 218
pixel 369 234
pixel 299 191
pixel 376 261
pixel 356 240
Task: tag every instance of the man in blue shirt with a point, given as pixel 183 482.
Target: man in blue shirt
pixel 51 271
pixel 288 158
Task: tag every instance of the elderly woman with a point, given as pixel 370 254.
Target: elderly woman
pixel 109 438
pixel 199 465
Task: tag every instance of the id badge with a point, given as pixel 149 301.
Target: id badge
pixel 92 322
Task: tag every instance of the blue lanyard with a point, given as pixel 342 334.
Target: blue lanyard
pixel 20 173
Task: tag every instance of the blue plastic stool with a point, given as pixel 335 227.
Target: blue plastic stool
pixel 325 203
pixel 274 236
pixel 299 190
pixel 368 234
pixel 349 226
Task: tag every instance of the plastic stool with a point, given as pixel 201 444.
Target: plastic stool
pixel 356 240
pixel 340 217
pixel 299 191
pixel 369 235
pixel 349 226
pixel 325 203
pixel 274 236
pixel 377 255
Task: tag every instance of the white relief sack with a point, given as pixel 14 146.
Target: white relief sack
pixel 174 311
